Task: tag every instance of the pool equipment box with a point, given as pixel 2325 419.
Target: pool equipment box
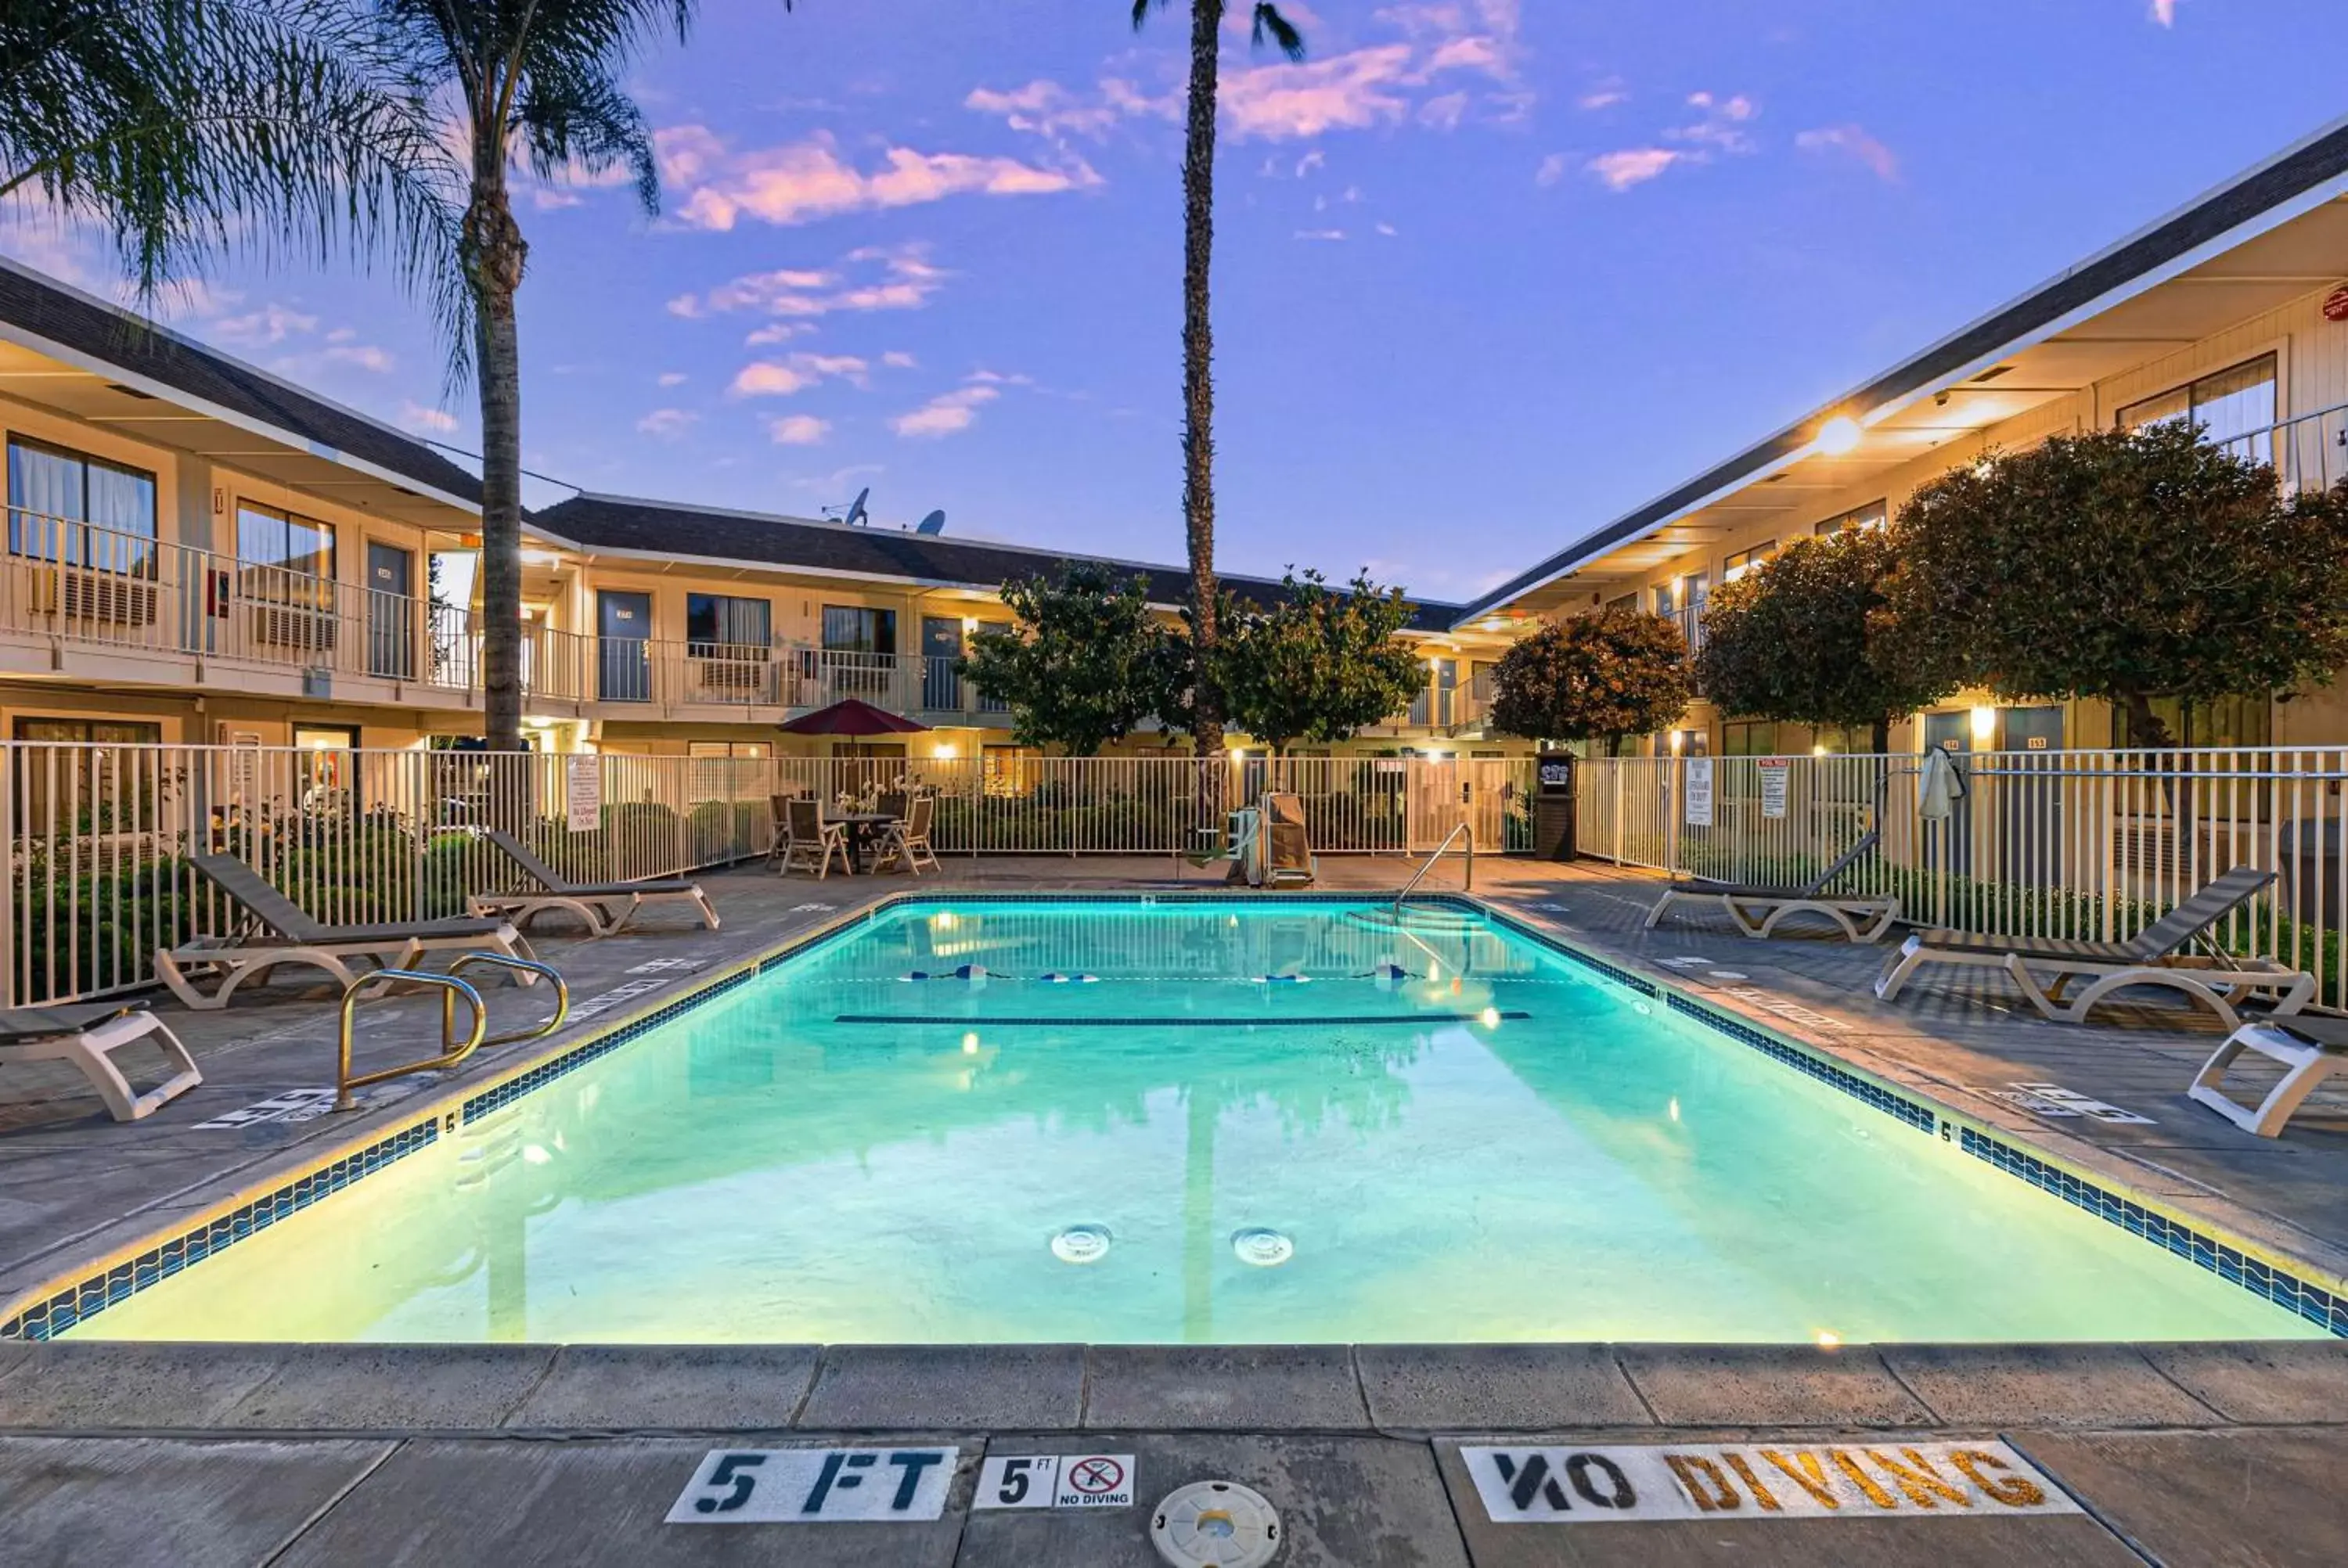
pixel 1553 809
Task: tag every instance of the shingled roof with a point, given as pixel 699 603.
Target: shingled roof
pixel 665 528
pixel 136 347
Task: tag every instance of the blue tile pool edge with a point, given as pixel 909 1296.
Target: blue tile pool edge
pixel 59 1305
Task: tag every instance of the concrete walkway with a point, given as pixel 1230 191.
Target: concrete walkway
pixel 183 1455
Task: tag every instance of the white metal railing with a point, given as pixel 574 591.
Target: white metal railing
pixel 2077 844
pixel 94 876
pixel 2308 451
pixel 90 586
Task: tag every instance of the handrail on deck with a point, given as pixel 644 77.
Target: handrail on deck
pixel 520 966
pixel 1467 882
pixel 452 1051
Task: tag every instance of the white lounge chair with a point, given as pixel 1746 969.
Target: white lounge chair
pixel 604 907
pixel 87 1034
pixel 274 931
pixel 2310 1051
pixel 1773 902
pixel 2155 956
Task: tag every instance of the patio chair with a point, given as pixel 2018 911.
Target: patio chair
pixel 778 823
pixel 274 931
pixel 1772 902
pixel 87 1034
pixel 2311 1049
pixel 1287 848
pixel 811 842
pixel 909 840
pixel 605 907
pixel 2155 956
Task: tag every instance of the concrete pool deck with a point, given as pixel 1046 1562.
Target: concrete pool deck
pixel 370 1453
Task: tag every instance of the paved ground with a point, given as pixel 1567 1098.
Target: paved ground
pixel 131 1454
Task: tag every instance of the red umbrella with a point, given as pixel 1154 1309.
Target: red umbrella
pixel 852 716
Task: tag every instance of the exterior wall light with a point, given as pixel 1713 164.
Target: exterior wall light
pixel 1838 436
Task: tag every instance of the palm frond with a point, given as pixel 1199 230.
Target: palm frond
pixel 1269 23
pixel 1141 12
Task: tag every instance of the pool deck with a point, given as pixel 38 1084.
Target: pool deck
pixel 246 1453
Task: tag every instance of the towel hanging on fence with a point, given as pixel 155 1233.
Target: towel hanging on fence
pixel 1939 785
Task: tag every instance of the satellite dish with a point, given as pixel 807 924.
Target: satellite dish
pixel 935 523
pixel 855 513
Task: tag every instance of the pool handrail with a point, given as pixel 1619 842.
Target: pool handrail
pixel 1468 881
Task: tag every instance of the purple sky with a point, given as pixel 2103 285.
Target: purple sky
pixel 1487 272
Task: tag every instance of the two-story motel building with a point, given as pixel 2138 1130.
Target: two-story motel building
pixel 200 552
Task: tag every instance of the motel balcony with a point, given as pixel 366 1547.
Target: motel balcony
pixel 86 603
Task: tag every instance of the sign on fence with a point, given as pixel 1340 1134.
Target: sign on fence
pixel 582 793
pixel 1773 785
pixel 1699 792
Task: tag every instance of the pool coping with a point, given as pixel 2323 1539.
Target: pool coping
pixel 2089 1178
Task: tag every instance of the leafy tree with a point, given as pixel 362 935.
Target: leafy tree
pixel 2121 566
pixel 193 126
pixel 1084 664
pixel 1319 665
pixel 1790 639
pixel 1178 680
pixel 533 82
pixel 1198 331
pixel 1604 675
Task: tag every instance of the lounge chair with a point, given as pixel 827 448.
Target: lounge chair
pixel 2311 1049
pixel 605 907
pixel 2155 956
pixel 274 931
pixel 812 842
pixel 909 840
pixel 1772 902
pixel 1286 847
pixel 87 1034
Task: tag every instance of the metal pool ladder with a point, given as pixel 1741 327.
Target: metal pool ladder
pixel 1467 882
pixel 452 1050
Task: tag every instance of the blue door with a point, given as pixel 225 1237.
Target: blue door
pixel 623 630
pixel 1949 844
pixel 2030 799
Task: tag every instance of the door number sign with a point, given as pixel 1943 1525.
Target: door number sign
pixel 816 1486
pixel 1759 1481
pixel 1055 1480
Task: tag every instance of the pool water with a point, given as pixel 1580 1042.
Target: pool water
pixel 1252 1123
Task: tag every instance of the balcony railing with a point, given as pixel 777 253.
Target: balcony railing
pixel 87 584
pixel 2309 452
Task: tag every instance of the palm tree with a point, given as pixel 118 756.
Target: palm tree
pixel 533 82
pixel 193 126
pixel 1198 332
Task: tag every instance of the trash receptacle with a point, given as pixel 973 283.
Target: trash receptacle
pixel 2310 871
pixel 1554 806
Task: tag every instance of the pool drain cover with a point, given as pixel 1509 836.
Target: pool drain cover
pixel 1081 1244
pixel 1215 1524
pixel 1261 1248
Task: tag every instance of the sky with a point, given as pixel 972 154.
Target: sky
pixel 1487 272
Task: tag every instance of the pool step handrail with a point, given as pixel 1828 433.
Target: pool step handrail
pixel 452 1050
pixel 1467 882
pixel 507 962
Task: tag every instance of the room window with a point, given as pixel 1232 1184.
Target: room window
pixel 284 558
pixel 1743 561
pixel 853 628
pixel 2236 403
pixel 1749 738
pixel 1624 601
pixel 718 626
pixel 1659 598
pixel 729 751
pixel 1870 516
pixel 2221 721
pixel 83 511
pixel 1008 770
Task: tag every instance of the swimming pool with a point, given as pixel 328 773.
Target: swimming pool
pixel 1196 1121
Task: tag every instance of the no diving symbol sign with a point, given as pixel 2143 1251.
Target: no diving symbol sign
pixel 1055 1480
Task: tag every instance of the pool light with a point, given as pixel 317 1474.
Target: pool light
pixel 970 1045
pixel 1828 1339
pixel 1491 1017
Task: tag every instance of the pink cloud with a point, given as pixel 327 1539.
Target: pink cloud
pixel 950 412
pixel 780 378
pixel 798 430
pixel 805 181
pixel 1854 142
pixel 668 424
pixel 874 278
pixel 1633 166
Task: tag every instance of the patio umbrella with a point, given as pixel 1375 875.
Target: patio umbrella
pixel 852 716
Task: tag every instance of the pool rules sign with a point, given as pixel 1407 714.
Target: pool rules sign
pixel 1890 1479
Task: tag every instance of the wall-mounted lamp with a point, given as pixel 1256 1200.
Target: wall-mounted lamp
pixel 1984 726
pixel 1838 436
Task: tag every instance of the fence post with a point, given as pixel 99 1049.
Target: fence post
pixel 9 877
